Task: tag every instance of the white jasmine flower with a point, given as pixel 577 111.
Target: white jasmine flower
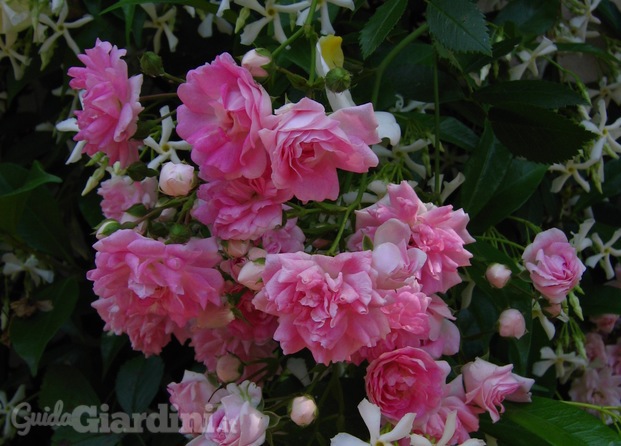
pixel 604 251
pixel 580 23
pixel 607 91
pixel 9 411
pixel 546 324
pixel 271 13
pixel 529 59
pixel 372 415
pixel 18 61
pixel 607 134
pixel 580 241
pixel 571 169
pixel 564 363
pixel 449 431
pixel 447 187
pixel 322 5
pixel 60 28
pixel 166 150
pixel 162 24
pixel 13 266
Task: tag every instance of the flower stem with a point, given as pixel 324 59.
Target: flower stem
pixel 391 55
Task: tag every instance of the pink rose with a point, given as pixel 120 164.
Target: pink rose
pixel 254 61
pixel 554 267
pixel 326 304
pixel 240 209
pixel 303 410
pixel 511 324
pixel 406 380
pixel 110 106
pixel 176 180
pixel 223 110
pixel 143 283
pixel 488 385
pixel 599 386
pixel 238 422
pixel 306 147
pixel 119 193
pixel 191 397
pixel 439 232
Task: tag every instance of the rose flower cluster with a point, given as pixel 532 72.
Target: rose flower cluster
pixel 252 287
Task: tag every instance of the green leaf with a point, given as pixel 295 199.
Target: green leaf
pixel 519 183
pixel 16 185
pixel 30 336
pixel 610 15
pixel 458 25
pixel 549 422
pixel 530 92
pixel 537 134
pixel 600 299
pixel 610 188
pixel 377 28
pixel 138 382
pixel 484 172
pixel 585 48
pixel 200 4
pixel 111 345
pixel 68 385
pixel 530 16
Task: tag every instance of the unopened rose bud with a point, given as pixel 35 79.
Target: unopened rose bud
pixel 236 248
pixel 511 324
pixel 303 410
pixel 498 275
pixel 107 228
pixel 176 180
pixel 250 275
pixel 338 80
pixel 255 61
pixel 151 64
pixel 229 368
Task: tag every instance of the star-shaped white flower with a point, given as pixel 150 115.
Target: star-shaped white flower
pixel 166 150
pixel 529 59
pixel 449 431
pixel 60 28
pixel 564 363
pixel 605 250
pixel 607 134
pixel 372 416
pixel 162 24
pixel 571 169
pixel 13 266
pixel 7 49
pixel 271 13
pixel 322 6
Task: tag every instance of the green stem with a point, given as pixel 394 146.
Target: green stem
pixel 288 42
pixel 350 209
pixel 503 241
pixel 389 58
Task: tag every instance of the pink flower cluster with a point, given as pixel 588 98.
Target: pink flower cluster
pixel 110 105
pixel 218 416
pixel 253 159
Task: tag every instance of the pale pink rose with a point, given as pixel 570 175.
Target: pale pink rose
pixel 249 337
pixel 498 275
pixel 238 422
pixel 453 400
pixel 406 380
pixel 599 386
pixel 605 323
pixel 554 267
pixel 444 337
pixel 110 106
pixel 254 61
pixel 250 275
pixel 408 319
pixel 306 147
pixel 595 350
pixel 288 238
pixel 139 279
pixel 488 385
pixel 439 232
pixel 240 209
pixel 176 179
pixel 119 193
pixel 511 324
pixel 326 304
pixel 223 110
pixel 191 398
pixel 303 410
pixel 613 353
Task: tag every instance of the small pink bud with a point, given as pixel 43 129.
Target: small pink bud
pixel 176 180
pixel 511 324
pixel 250 275
pixel 236 248
pixel 497 275
pixel 303 410
pixel 255 60
pixel 229 368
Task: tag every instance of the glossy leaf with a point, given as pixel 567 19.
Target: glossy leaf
pixel 519 183
pixel 530 16
pixel 138 382
pixel 538 134
pixel 380 24
pixel 458 25
pixel 30 336
pixel 484 172
pixel 530 92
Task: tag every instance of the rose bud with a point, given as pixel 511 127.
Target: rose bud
pixel 497 275
pixel 255 61
pixel 229 368
pixel 303 410
pixel 176 180
pixel 511 324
